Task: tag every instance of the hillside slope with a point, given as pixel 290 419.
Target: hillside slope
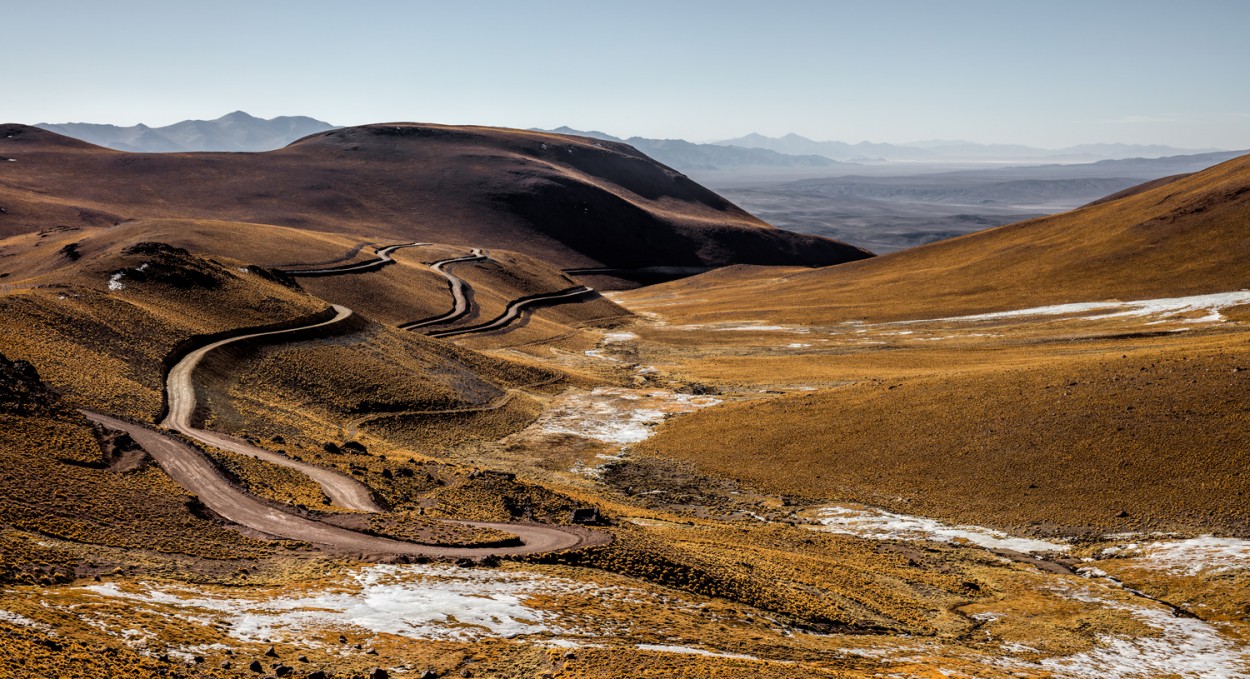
pixel 574 202
pixel 1076 420
pixel 1186 237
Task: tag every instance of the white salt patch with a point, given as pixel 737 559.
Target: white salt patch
pixel 609 337
pixel 115 281
pixel 1185 647
pixel 1188 557
pixel 687 650
pixel 1168 306
pixel 878 524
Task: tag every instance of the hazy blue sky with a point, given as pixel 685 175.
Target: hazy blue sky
pixel 1050 73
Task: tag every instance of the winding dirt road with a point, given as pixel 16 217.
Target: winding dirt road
pixel 460 300
pixel 383 258
pixel 194 472
pixel 516 307
pixel 342 490
pixel 197 474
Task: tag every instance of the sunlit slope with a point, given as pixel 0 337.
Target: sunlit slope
pixel 98 310
pixel 572 201
pixel 1123 438
pixel 1186 237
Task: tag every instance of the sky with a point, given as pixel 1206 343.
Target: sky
pixel 1049 74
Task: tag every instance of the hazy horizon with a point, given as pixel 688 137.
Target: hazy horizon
pixel 1051 76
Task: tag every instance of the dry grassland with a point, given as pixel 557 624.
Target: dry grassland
pixel 1184 238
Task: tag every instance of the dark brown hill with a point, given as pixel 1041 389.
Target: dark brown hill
pixel 573 201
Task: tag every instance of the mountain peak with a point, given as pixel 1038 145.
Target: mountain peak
pixel 237 131
pixel 239 116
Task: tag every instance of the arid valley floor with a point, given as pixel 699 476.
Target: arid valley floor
pixel 406 401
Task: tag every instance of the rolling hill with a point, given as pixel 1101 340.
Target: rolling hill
pixel 1182 238
pixel 573 202
pixel 1004 377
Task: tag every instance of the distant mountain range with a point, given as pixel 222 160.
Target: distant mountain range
pixel 951 150
pixel 237 131
pixel 240 131
pixel 688 156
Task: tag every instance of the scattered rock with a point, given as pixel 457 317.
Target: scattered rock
pixel 379 673
pixel 274 275
pixel 331 448
pixel 283 670
pixel 319 674
pixel 272 652
pixel 256 667
pixel 71 252
pixel 225 664
pixel 587 516
pixel 429 674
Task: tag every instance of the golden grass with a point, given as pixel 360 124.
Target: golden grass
pixel 103 348
pixel 821 581
pixel 1050 438
pixel 55 482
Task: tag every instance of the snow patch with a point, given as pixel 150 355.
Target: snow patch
pixel 609 337
pixel 616 415
pixel 1188 557
pixel 423 602
pixel 689 650
pixel 761 328
pixel 115 281
pixel 22 621
pixel 1211 304
pixel 1185 647
pixel 878 524
pixel 598 353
